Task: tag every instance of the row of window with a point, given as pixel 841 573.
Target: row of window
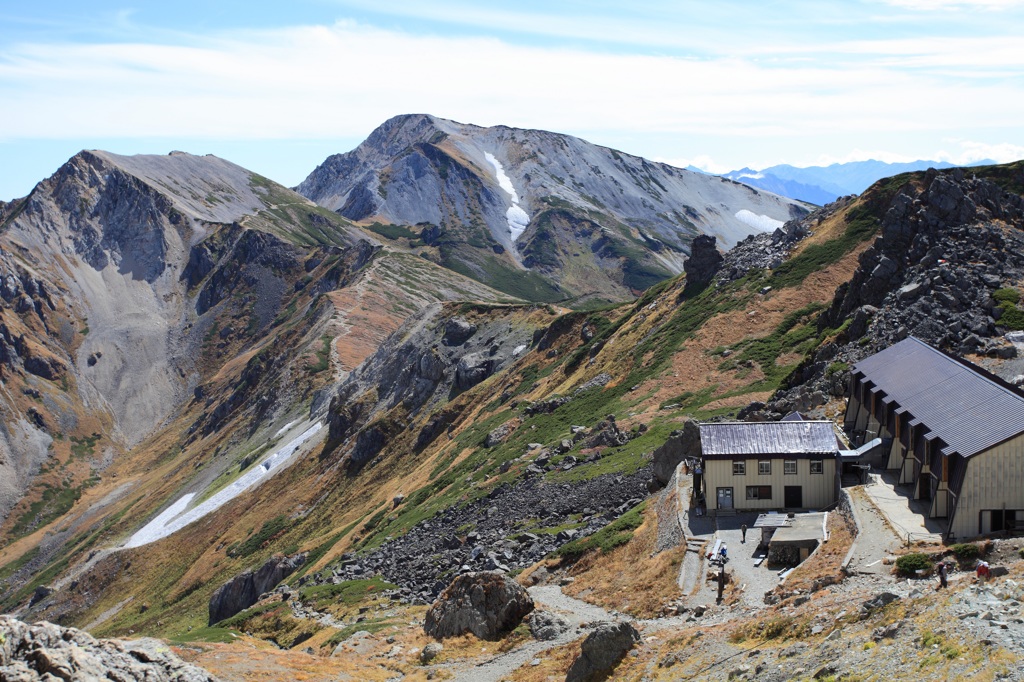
pixel 764 467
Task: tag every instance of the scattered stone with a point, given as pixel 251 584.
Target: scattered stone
pixel 886 631
pixel 546 626
pixel 431 651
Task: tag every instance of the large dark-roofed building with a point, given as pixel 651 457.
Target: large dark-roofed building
pixel 769 465
pixel 957 433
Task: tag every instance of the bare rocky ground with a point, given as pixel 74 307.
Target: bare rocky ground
pixel 842 632
pixel 870 626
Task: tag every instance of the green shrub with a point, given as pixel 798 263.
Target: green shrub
pixel 910 564
pixel 1012 317
pixel 1006 295
pixel 836 368
pixel 966 552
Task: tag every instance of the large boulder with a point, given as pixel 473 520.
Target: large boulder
pixel 45 651
pixel 457 331
pixel 704 260
pixel 680 444
pixel 486 603
pixel 602 650
pixel 245 589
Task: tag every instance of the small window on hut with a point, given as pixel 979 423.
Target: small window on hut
pixel 789 467
pixel 739 468
pixel 764 467
pixel 759 492
pixel 817 466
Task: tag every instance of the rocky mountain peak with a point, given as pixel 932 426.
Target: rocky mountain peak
pixel 546 215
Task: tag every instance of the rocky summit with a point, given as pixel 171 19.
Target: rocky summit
pixel 539 215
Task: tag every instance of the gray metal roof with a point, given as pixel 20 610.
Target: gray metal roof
pixel 969 409
pixel 768 438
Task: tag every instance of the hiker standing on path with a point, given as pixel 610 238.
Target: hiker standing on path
pixel 942 576
pixel 743 533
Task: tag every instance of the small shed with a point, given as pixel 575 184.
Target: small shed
pixel 791 538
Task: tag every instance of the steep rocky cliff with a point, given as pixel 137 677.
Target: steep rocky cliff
pixel 944 268
pixel 541 215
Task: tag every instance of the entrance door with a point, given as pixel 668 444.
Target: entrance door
pixel 794 497
pixel 725 498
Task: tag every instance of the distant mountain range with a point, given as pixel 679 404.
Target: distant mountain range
pixel 822 184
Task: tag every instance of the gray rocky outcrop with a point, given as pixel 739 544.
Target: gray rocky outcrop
pixel 436 353
pixel 245 589
pixel 48 652
pixel 499 434
pixel 704 260
pixel 487 604
pixel 944 247
pixel 682 443
pixel 602 650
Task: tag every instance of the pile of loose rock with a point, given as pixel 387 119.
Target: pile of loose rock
pixel 944 249
pixel 492 533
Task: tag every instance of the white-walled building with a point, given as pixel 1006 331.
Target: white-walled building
pixel 769 465
pixel 956 432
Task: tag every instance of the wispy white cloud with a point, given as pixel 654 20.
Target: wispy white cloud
pixel 344 79
pixel 947 5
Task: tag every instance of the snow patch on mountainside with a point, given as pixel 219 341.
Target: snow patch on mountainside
pixel 758 222
pixel 175 517
pixel 517 218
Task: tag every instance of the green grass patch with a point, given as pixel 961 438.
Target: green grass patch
pixel 212 634
pixel 615 534
pixel 861 225
pixel 255 542
pixel 85 446
pixel 13 567
pixel 323 355
pixel 371 626
pixel 349 592
pixel 392 231
pixel 836 368
pixel 52 504
pixel 236 621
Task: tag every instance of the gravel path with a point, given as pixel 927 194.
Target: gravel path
pixel 550 598
pixel 877 539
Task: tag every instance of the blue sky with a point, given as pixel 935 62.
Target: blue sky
pixel 277 87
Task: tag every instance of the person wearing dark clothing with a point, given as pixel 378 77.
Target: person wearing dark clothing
pixel 942 576
pixel 743 532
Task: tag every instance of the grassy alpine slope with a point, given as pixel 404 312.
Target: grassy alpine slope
pixel 679 351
